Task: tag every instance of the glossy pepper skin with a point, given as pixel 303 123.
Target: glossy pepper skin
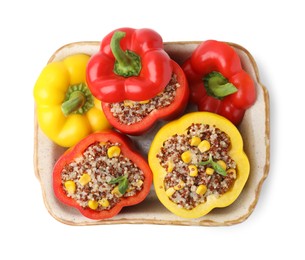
pixel 218 82
pixel 66 110
pixel 175 109
pixel 76 151
pixel 236 153
pixel 130 65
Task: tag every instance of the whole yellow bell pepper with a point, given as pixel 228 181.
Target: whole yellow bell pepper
pixel 179 127
pixel 66 110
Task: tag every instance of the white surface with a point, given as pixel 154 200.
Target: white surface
pixel 32 30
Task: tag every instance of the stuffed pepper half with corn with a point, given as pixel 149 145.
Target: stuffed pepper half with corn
pixel 101 175
pixel 198 164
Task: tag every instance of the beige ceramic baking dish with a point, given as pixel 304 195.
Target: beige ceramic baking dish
pixel 254 129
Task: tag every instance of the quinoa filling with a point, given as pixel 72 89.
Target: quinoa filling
pixel 131 112
pixel 101 177
pixel 197 165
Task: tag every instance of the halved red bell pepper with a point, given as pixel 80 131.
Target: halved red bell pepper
pixel 169 112
pixel 126 150
pixel 218 82
pixel 130 65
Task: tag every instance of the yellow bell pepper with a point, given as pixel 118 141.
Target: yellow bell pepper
pixel 66 110
pixel 178 127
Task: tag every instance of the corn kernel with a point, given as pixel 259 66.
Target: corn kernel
pixel 92 204
pixel 204 146
pixel 139 183
pixel 84 179
pixel 128 103
pixel 104 202
pixel 193 170
pixel 144 101
pixel 195 141
pixel 186 156
pixel 113 151
pixel 209 171
pixel 180 185
pixel 170 191
pixel 70 187
pixel 170 165
pixel 130 189
pixel 116 192
pixel 201 189
pixel 222 164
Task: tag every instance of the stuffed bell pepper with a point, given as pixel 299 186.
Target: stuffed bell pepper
pixel 218 82
pixel 101 175
pixel 198 164
pixel 66 109
pixel 136 80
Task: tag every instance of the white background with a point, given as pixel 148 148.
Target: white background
pixel 272 31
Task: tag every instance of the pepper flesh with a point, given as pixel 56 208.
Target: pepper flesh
pixel 236 153
pixel 218 82
pixel 66 110
pixel 77 151
pixel 114 75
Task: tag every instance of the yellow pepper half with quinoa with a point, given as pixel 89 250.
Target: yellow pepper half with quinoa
pixel 198 164
pixel 66 110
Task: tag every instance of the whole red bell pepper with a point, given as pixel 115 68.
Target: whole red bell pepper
pixel 218 82
pixel 126 150
pixel 174 109
pixel 130 65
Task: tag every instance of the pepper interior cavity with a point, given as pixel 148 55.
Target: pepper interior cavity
pixel 197 165
pixel 101 177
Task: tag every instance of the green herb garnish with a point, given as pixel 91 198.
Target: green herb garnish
pixel 123 183
pixel 215 166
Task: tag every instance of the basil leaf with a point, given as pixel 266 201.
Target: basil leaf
pixel 215 166
pixel 218 169
pixel 123 185
pixel 204 163
pixel 117 180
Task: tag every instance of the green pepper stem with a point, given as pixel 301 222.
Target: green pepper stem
pixel 75 101
pixel 218 86
pixel 78 100
pixel 116 49
pixel 127 63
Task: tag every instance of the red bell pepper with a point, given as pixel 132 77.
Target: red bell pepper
pixel 126 150
pixel 174 109
pixel 218 82
pixel 130 65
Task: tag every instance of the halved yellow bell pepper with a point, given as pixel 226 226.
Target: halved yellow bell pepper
pixel 236 153
pixel 66 110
